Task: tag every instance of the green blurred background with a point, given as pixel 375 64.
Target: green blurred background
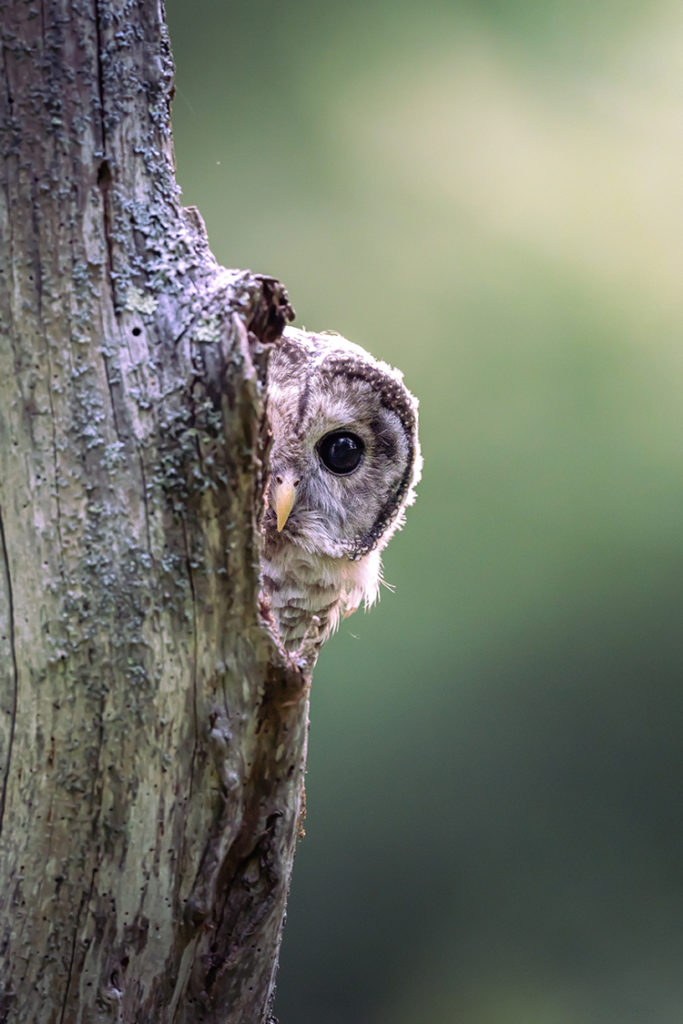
pixel 489 196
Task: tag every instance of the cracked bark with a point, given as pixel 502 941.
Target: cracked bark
pixel 152 742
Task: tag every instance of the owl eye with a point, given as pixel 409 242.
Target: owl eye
pixel 341 451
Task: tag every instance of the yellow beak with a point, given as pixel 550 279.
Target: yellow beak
pixel 285 496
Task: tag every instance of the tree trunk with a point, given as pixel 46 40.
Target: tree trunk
pixel 152 740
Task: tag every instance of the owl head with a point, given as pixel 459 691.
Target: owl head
pixel 345 455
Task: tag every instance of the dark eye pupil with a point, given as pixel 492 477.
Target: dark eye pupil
pixel 341 451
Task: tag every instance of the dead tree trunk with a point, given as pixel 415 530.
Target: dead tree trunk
pixel 152 745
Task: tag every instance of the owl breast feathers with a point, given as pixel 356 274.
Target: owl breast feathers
pixel 344 462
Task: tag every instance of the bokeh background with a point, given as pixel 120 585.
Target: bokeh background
pixel 490 196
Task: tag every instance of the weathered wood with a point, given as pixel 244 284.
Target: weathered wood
pixel 152 743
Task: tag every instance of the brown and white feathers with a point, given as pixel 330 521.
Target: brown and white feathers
pixel 344 462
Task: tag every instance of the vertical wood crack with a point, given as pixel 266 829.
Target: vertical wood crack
pixel 15 670
pixel 194 658
pixel 104 173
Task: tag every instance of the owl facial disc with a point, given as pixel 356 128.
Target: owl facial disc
pixel 344 460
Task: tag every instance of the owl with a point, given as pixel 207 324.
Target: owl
pixel 344 462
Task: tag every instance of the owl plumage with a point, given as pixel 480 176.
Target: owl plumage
pixel 344 462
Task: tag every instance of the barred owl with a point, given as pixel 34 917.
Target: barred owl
pixel 344 462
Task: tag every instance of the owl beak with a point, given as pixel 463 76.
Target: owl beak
pixel 285 496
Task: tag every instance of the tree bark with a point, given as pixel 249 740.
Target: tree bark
pixel 152 739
